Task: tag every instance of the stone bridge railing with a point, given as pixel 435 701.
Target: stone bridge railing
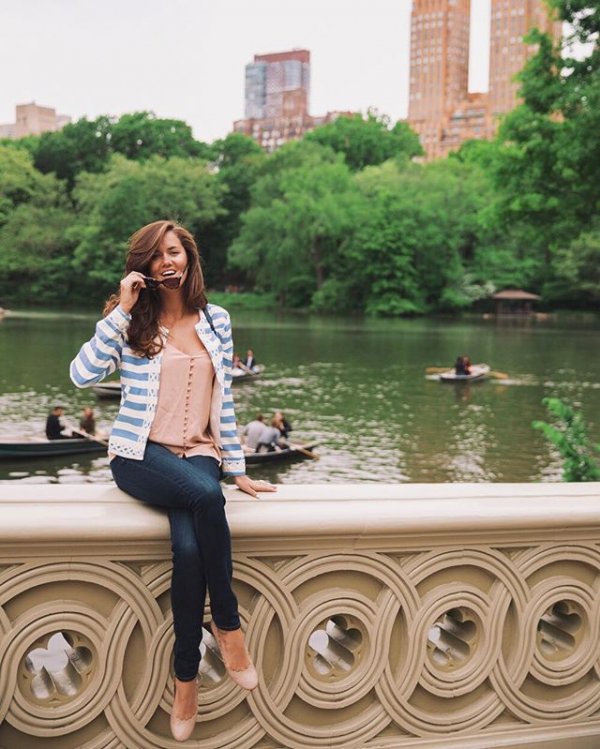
pixel 380 617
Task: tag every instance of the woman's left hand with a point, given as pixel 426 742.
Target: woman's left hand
pixel 251 487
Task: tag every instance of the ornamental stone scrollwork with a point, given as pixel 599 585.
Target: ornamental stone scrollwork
pixel 472 636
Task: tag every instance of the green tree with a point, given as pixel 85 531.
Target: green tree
pixel 509 251
pixel 577 269
pixel 569 436
pixel 419 235
pixel 549 173
pixel 20 182
pixel 367 141
pixel 532 189
pixel 29 143
pixel 34 219
pixel 35 256
pixel 379 254
pixel 139 135
pixel 87 145
pixel 293 155
pixel 82 146
pixel 113 204
pixel 393 239
pixel 300 214
pixel 238 161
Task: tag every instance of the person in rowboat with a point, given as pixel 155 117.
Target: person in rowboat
pixel 282 424
pixel 54 426
pixel 87 422
pixel 250 361
pixel 252 431
pixel 175 435
pixel 238 367
pixel 270 439
pixel 462 365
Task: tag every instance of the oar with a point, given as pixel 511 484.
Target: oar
pixel 498 375
pixel 304 451
pixel 85 435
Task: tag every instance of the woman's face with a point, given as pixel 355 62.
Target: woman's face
pixel 170 259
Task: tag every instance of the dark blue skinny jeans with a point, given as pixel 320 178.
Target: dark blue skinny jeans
pixel 189 489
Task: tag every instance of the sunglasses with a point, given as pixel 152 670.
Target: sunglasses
pixel 170 282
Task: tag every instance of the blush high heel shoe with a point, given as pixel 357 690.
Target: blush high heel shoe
pixel 181 728
pixel 246 677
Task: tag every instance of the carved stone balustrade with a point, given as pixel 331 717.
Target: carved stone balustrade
pixel 380 617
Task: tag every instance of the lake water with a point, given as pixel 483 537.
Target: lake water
pixel 357 386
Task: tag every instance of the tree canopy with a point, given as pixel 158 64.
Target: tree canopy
pixel 367 141
pixel 34 218
pixel 87 145
pixel 300 213
pixel 349 218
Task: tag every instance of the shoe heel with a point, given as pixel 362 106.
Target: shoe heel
pixel 247 678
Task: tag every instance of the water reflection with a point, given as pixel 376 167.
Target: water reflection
pixel 55 470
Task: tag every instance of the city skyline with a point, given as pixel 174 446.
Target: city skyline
pixel 187 61
pixel 441 109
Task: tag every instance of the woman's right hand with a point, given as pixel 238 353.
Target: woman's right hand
pixel 131 286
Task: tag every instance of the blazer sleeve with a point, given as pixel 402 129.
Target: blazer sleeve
pixel 232 455
pixel 101 355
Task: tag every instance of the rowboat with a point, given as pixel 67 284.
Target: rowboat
pixel 238 374
pixel 287 453
pixel 43 448
pixel 478 372
pixel 113 389
pixel 108 390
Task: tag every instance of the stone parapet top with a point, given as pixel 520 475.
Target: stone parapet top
pixel 42 513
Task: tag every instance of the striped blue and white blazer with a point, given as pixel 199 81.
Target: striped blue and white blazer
pixel 108 351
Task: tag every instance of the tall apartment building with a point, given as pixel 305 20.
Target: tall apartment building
pixel 441 109
pixel 278 85
pixel 510 22
pixel 31 119
pixel 439 64
pixel 277 91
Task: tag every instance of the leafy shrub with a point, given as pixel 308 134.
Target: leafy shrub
pixel 570 438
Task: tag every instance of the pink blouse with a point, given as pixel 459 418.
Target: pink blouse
pixel 181 422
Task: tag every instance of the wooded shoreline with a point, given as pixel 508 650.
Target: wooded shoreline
pixel 348 219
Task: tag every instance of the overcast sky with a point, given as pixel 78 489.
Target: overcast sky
pixel 185 58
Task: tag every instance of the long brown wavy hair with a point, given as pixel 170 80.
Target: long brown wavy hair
pixel 143 332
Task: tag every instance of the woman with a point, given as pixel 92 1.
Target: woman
pixel 87 422
pixel 282 424
pixel 175 434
